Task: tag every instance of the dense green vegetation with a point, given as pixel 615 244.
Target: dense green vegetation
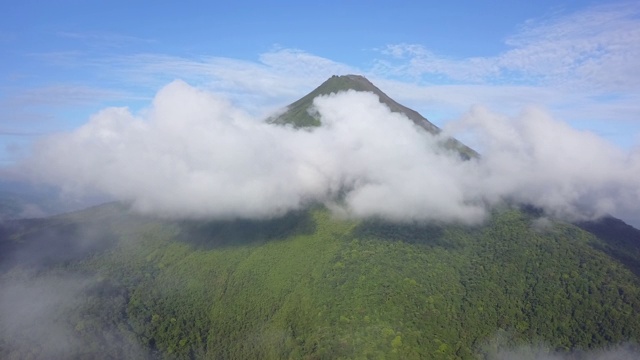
pixel 309 286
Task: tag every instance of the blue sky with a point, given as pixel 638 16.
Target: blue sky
pixel 62 61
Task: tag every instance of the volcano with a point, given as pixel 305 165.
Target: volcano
pixel 300 114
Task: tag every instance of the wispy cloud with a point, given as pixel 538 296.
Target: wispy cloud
pixel 277 72
pixel 29 113
pixel 105 38
pixel 571 63
pixel 275 78
pixel 32 110
pixel 417 60
pixel 62 95
pixel 595 49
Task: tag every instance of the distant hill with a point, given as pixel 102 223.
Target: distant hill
pixel 298 114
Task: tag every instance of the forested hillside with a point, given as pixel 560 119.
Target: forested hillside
pixel 116 285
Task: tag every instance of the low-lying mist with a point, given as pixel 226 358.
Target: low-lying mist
pixel 193 154
pixel 43 316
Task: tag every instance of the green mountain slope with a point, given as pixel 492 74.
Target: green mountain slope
pixel 312 286
pixel 105 283
pixel 298 114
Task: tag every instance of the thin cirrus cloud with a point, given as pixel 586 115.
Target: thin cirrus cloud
pixel 281 72
pixel 62 95
pixel 594 49
pixel 31 110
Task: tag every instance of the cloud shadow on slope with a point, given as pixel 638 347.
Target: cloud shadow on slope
pixel 621 241
pixel 239 232
pixel 41 243
pixel 427 234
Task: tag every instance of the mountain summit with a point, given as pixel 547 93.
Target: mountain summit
pixel 299 115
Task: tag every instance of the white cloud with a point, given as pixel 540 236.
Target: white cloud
pixel 194 154
pixel 538 160
pixel 416 60
pixel 593 50
pixel 581 66
pixel 258 87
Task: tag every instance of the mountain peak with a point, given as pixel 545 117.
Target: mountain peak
pixel 299 115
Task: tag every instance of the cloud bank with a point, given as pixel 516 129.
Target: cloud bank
pixel 193 154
